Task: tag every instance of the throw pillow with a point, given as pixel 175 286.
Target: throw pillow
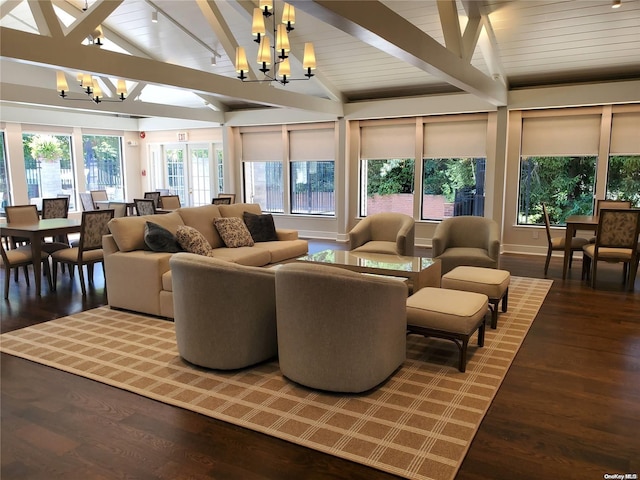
pixel 233 232
pixel 261 227
pixel 193 241
pixel 159 239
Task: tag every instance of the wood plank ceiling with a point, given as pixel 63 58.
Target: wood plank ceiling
pixel 366 50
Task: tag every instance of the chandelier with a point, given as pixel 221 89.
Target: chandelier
pixel 91 87
pixel 278 54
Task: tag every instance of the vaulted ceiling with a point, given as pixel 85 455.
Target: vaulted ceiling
pixel 366 50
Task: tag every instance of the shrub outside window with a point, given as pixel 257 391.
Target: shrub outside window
pixel 386 185
pixel 566 184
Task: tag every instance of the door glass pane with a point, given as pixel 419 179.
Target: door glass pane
pixel 263 184
pixel 312 185
pixel 200 176
pixel 5 193
pixel 452 187
pixel 386 186
pixel 175 173
pixel 48 167
pixel 103 164
pixel 623 178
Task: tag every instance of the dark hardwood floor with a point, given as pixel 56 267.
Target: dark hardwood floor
pixel 569 407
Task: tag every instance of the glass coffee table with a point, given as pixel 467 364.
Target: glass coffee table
pixel 421 271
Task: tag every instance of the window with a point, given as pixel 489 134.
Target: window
pixel 387 185
pixel 312 185
pixel 452 187
pixel 103 164
pixel 387 167
pixel 565 184
pixel 557 166
pixel 623 178
pixel 5 192
pixel 200 181
pixel 175 171
pixel 312 171
pixel 220 168
pixel 453 166
pixel 48 167
pixel 263 185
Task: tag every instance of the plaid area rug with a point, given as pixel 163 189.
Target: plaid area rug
pixel 419 424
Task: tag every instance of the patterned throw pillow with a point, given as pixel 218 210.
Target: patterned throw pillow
pixel 233 232
pixel 159 239
pixel 192 241
pixel 261 227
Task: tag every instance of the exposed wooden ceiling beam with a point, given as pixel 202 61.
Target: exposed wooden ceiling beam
pixel 380 27
pixel 64 54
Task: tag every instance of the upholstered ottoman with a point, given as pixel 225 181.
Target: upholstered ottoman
pixel 449 314
pixel 489 281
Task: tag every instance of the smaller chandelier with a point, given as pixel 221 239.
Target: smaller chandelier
pixel 278 54
pixel 91 87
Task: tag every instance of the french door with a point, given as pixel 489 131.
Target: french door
pixel 187 172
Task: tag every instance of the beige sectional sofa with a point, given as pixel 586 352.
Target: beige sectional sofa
pixel 140 280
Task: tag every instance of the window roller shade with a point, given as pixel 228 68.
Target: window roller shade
pixel 262 146
pixel 559 136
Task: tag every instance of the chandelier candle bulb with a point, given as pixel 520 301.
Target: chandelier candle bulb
pixel 289 16
pixel 241 63
pixel 282 42
pixel 309 60
pixel 264 54
pixel 257 25
pixel 122 89
pixel 87 83
pixel 266 6
pixel 61 83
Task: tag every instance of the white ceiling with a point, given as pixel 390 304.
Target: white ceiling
pixel 365 50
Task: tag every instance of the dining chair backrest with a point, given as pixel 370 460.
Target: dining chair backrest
pixel 144 206
pixel 170 202
pixel 92 229
pixel 609 204
pixel 155 196
pixel 119 209
pixel 87 202
pixel 618 228
pixel 22 214
pixel 221 201
pixel 55 207
pixel 99 196
pixel 232 196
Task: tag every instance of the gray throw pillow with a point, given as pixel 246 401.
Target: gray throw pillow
pixel 261 227
pixel 159 239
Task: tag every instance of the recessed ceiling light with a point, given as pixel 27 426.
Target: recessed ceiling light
pixel 616 3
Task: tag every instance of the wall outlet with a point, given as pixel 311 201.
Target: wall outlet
pixel 535 234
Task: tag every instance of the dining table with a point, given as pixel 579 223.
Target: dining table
pixel 575 223
pixel 36 233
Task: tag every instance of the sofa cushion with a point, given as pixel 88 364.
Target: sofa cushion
pixel 201 218
pixel 261 227
pixel 252 256
pixel 191 240
pixel 237 209
pixel 234 232
pixel 159 239
pixel 283 250
pixel 128 232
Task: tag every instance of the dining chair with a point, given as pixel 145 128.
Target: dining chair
pixel 119 209
pixel 87 202
pixel 155 196
pixel 609 204
pixel 144 206
pixel 170 202
pixel 24 214
pixel 21 257
pixel 89 250
pixel 98 196
pixel 557 243
pixel 221 201
pixel 616 241
pixel 232 196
